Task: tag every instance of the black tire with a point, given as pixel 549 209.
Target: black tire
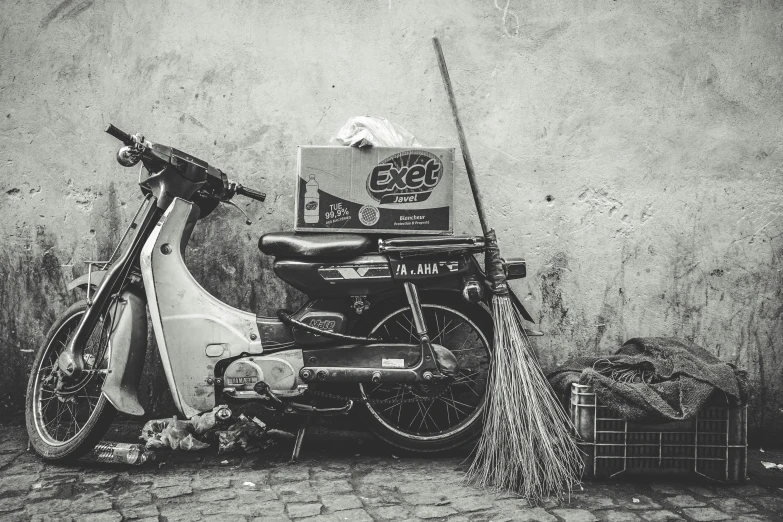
pixel 100 416
pixel 383 427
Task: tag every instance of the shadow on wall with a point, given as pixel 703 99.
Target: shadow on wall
pixel 734 312
pixel 32 293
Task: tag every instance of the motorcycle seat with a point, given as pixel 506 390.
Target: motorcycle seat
pixel 289 244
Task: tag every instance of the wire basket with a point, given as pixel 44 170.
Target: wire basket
pixel 712 445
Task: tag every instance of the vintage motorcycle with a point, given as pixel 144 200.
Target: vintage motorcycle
pixel 397 326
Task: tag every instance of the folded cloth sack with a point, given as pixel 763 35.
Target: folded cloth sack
pixel 655 379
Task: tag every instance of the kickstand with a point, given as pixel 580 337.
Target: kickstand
pixel 299 439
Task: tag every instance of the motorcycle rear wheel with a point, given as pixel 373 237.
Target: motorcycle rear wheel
pixel 65 420
pixel 449 416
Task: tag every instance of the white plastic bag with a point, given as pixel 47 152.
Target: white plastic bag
pixel 371 131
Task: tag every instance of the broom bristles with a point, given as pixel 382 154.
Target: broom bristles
pixel 526 447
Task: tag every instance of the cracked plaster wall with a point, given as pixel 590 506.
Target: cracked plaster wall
pixel 629 150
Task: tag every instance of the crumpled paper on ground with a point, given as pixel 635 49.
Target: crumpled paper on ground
pixel 201 431
pixel 249 435
pixel 171 433
pixel 372 131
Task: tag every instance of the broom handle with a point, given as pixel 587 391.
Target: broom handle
pixel 463 144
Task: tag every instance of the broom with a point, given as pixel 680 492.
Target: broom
pixel 525 447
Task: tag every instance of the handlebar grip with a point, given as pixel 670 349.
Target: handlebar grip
pixel 120 135
pixel 250 193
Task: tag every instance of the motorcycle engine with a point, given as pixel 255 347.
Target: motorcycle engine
pixel 279 370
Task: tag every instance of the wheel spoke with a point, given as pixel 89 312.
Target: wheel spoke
pixel 449 331
pixel 396 397
pixel 457 410
pixel 57 416
pixel 44 403
pixel 455 401
pixel 415 416
pixel 440 333
pixel 423 416
pixel 399 413
pixel 464 379
pixel 436 409
pixel 89 402
pixel 73 417
pixel 477 394
pixel 410 332
pixel 427 414
pixel 462 346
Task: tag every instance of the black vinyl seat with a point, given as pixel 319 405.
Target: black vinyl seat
pixel 289 244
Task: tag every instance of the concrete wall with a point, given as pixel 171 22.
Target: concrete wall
pixel 629 150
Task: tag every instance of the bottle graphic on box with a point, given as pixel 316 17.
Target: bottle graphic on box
pixel 311 202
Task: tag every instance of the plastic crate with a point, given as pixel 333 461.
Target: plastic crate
pixel 712 445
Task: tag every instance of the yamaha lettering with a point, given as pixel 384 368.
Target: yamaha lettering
pixel 406 177
pixel 423 269
pixel 420 269
pixel 241 380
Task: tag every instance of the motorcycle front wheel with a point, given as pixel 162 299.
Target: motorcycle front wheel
pixel 67 418
pixel 431 418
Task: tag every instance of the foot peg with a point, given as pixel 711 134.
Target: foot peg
pixel 263 389
pixel 304 410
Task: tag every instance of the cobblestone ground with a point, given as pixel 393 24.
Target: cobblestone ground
pixel 342 477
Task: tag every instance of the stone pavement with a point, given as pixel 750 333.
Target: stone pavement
pixel 342 477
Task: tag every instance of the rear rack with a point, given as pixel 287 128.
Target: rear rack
pixel 431 244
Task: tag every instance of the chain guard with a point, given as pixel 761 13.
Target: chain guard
pixel 392 400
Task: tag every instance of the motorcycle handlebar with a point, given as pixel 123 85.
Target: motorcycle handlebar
pixel 129 140
pixel 250 193
pixel 120 135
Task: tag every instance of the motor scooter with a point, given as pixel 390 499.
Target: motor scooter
pixel 397 327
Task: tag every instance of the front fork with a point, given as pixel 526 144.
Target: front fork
pixel 71 361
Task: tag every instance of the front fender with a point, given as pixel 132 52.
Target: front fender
pixel 127 348
pixel 94 278
pixel 127 344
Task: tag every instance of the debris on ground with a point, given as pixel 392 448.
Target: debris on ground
pixel 215 427
pixel 249 435
pixel 120 453
pixel 170 433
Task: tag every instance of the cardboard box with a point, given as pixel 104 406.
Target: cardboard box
pixel 381 190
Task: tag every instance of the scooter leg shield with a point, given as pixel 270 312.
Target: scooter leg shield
pixel 127 348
